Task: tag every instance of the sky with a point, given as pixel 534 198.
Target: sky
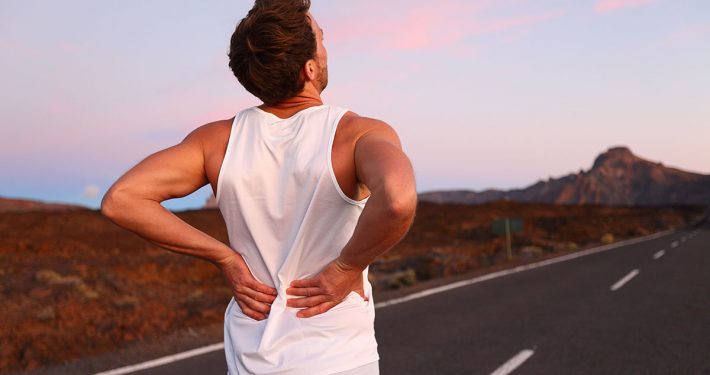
pixel 483 93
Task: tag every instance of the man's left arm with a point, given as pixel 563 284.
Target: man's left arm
pixel 133 202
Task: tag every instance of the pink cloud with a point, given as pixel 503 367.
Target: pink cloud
pixel 687 33
pixel 428 25
pixel 604 6
pixel 448 32
pixel 60 107
pixel 515 22
pixel 9 45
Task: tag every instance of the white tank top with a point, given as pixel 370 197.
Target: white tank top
pixel 287 216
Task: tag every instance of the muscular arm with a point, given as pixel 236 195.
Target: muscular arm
pixel 387 172
pixel 133 202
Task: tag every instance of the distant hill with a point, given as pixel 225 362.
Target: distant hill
pixel 23 205
pixel 617 177
pixel 75 285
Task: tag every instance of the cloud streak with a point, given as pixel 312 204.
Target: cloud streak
pixel 427 26
pixel 90 192
pixel 687 33
pixel 7 45
pixel 604 6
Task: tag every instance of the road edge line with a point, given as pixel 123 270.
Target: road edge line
pixel 478 279
pixel 164 360
pixel 424 293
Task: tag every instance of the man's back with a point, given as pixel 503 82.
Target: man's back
pixel 214 137
pixel 286 216
pixel 277 54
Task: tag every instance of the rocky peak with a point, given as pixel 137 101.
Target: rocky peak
pixel 618 177
pixel 616 157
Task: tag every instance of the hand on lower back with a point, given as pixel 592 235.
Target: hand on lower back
pixel 253 297
pixel 328 288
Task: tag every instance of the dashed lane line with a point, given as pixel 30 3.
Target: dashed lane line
pixel 513 363
pixel 624 280
pixel 424 293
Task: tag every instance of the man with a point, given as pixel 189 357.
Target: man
pixel 311 194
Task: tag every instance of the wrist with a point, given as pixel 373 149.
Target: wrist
pixel 349 266
pixel 224 259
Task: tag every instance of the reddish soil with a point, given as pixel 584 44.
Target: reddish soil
pixel 73 285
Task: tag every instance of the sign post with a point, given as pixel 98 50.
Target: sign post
pixel 507 226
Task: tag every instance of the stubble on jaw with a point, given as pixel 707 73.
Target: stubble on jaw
pixel 323 77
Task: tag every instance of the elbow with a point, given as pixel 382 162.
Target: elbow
pixel 108 206
pixel 402 204
pixel 111 205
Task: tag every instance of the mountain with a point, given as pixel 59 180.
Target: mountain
pixel 23 205
pixel 617 177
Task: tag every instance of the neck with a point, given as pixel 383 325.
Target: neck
pixel 309 97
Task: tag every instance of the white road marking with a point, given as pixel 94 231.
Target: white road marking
pixel 513 363
pixel 659 254
pixel 624 280
pixel 424 293
pixel 458 284
pixel 164 360
pixel 674 244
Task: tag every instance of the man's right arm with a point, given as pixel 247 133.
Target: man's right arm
pixel 387 172
pixel 383 167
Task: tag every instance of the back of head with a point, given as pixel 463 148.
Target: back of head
pixel 270 47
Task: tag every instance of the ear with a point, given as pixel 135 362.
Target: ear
pixel 310 70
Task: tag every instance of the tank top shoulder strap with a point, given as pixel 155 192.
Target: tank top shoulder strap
pixel 337 114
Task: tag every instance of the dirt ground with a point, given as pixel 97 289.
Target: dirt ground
pixel 74 285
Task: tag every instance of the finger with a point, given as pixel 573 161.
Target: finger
pixel 306 292
pixel 313 281
pixel 255 305
pixel 251 313
pixel 259 296
pixel 247 288
pixel 315 310
pixel 263 288
pixel 307 301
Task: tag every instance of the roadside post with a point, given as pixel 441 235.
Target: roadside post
pixel 506 227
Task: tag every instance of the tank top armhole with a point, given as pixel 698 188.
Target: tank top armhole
pixel 227 153
pixel 329 154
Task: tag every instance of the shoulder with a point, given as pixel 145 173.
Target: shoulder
pixel 211 132
pixel 366 127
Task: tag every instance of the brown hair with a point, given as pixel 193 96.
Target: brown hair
pixel 270 47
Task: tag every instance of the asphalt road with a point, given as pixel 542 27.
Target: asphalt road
pixel 563 318
pixel 658 322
